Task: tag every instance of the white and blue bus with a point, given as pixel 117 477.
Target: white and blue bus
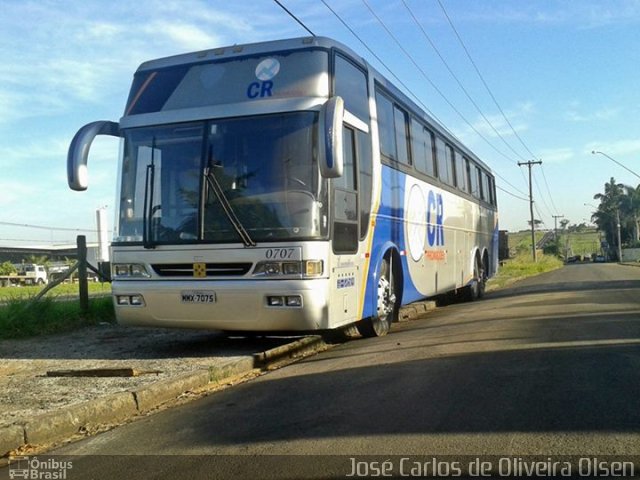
pixel 287 186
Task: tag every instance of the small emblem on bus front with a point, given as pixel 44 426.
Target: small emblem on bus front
pixel 267 69
pixel 199 270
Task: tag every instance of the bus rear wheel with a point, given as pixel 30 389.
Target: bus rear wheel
pixel 475 291
pixel 387 304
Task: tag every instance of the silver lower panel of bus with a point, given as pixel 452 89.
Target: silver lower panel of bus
pixel 263 305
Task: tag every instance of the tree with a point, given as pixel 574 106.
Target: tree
pixel 7 268
pixel 536 222
pixel 564 223
pixel 606 217
pixel 631 212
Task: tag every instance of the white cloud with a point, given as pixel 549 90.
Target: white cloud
pixel 600 115
pixel 556 155
pixel 583 14
pixel 183 35
pixel 518 118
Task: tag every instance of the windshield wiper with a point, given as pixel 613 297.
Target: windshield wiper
pixel 212 181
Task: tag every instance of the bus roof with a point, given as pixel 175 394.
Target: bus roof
pixel 248 49
pixel 299 43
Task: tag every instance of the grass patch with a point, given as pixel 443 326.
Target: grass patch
pixel 522 266
pixel 71 289
pixel 20 318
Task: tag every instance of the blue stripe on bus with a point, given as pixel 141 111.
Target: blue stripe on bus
pixel 389 233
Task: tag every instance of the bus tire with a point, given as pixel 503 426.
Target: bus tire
pixel 475 291
pixel 387 304
pixel 341 334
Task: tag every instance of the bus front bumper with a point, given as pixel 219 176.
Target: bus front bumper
pixel 262 305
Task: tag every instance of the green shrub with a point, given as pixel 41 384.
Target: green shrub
pixel 21 318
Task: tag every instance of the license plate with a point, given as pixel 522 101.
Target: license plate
pixel 198 296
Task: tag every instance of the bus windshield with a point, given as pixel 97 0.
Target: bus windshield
pixel 264 167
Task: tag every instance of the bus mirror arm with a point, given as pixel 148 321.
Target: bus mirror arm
pixel 331 164
pixel 79 151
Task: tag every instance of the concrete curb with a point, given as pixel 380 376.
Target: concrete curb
pixel 415 310
pixel 11 437
pixel 289 353
pixel 60 425
pixel 149 397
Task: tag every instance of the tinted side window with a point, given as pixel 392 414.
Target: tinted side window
pixel 400 121
pixel 351 85
pixel 386 126
pixel 478 175
pixel 486 195
pixel 422 148
pixel 473 179
pixel 461 172
pixel 451 164
pixel 444 172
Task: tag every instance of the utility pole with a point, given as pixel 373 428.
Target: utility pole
pixel 529 164
pixel 619 239
pixel 555 225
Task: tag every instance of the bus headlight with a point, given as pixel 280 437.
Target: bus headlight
pixel 304 268
pixel 129 270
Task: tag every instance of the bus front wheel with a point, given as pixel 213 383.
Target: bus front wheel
pixel 387 304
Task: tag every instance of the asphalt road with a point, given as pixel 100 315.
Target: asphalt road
pixel 548 367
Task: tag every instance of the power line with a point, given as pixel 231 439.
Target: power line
pixel 486 86
pixel 410 92
pixel 544 202
pixel 512 194
pixel 433 85
pixel 544 176
pixel 295 18
pixel 455 77
pixel 377 57
pixel 415 97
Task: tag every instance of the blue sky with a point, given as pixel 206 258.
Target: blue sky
pixel 564 73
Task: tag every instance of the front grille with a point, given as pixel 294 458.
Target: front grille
pixel 212 269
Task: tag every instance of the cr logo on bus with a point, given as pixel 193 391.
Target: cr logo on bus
pixel 435 230
pixel 260 89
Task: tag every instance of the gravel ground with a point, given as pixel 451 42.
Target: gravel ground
pixel 26 390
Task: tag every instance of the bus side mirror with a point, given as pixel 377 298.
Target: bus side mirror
pixel 332 116
pixel 77 176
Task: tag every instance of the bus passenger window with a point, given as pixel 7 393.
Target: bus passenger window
pixel 461 173
pixel 486 195
pixel 400 122
pixel 492 190
pixel 385 127
pixel 478 175
pixel 444 172
pixel 422 148
pixel 451 164
pixel 472 173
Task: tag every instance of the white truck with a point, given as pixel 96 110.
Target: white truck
pixel 27 274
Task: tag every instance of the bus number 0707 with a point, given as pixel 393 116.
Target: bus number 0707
pixel 281 253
